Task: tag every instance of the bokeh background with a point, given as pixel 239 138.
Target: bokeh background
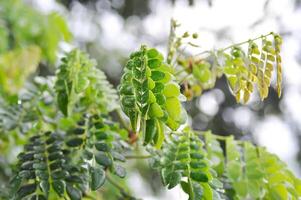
pixel 110 29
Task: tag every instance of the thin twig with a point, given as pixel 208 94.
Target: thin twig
pixel 244 42
pixel 237 44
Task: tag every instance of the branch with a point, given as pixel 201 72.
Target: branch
pixel 233 45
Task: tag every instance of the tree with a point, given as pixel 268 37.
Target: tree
pixel 78 130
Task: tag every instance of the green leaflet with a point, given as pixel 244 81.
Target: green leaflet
pixel 254 172
pixel 42 161
pixel 100 147
pixel 202 72
pixel 97 178
pixel 249 171
pixel 149 96
pixel 184 157
pixel 214 153
pixel 80 84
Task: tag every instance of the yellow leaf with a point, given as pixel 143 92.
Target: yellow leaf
pixel 16 66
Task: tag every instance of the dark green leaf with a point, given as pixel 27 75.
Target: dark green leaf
pixel 150 131
pixel 15 183
pixel 43 175
pixel 55 165
pixel 74 179
pixel 100 135
pixel 59 174
pixel 62 100
pixel 173 179
pixel 44 186
pixel 103 159
pixel 157 75
pixel 55 156
pixel 198 165
pixel 79 131
pixel 101 146
pixel 199 176
pixel 40 166
pixel 26 190
pixel 159 87
pixel 59 187
pixel 73 193
pixel 75 142
pixel 98 178
pixel 154 63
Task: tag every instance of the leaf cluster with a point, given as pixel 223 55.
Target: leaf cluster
pixel 149 96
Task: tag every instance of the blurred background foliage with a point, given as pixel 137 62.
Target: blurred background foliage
pixel 34 34
pixel 28 38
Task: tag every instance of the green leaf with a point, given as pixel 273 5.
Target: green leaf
pixel 159 136
pixel 79 131
pixel 154 63
pixel 207 191
pixel 103 159
pixel 75 142
pixel 234 170
pixel 171 90
pixel 157 75
pixel 173 107
pixel 173 179
pixel 26 190
pixel 150 131
pixel 185 187
pixel 155 111
pixel 199 176
pixel 119 171
pixel 15 183
pixel 158 87
pixel 152 53
pixel 151 98
pixel 101 146
pixel 62 100
pixel 59 187
pixel 197 192
pixel 241 188
pixel 73 193
pixel 160 99
pixel 98 178
pixel 82 83
pixel 45 186
pixel 216 183
pixel 202 73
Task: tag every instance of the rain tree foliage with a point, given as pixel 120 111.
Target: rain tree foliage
pixel 78 132
pixel 27 38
